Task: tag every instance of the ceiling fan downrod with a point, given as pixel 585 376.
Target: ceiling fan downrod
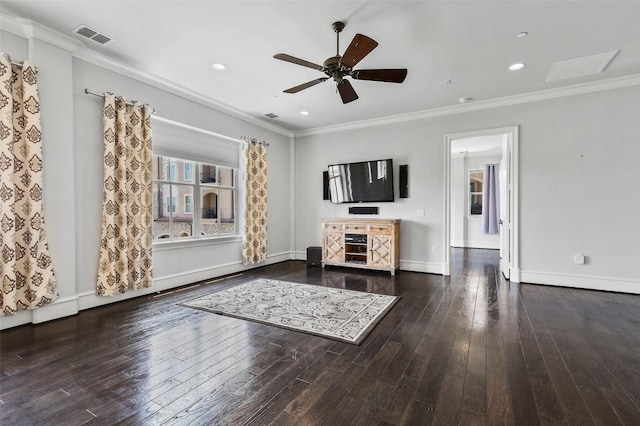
pixel 338 26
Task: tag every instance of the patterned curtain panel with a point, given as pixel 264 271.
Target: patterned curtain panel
pixel 26 273
pixel 125 247
pixel 254 243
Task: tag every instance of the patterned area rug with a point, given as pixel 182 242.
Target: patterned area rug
pixel 344 315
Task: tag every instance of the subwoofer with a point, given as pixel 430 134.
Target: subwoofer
pixel 314 256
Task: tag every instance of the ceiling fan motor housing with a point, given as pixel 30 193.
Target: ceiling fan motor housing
pixel 332 68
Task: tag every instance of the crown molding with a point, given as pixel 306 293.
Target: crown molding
pixel 29 29
pixel 10 24
pixel 574 90
pixel 97 58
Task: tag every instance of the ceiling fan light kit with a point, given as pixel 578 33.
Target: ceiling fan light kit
pixel 338 67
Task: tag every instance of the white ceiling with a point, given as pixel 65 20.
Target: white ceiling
pixel 470 43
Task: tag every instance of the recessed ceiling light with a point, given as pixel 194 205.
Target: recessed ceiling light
pixel 219 67
pixel 522 34
pixel 304 112
pixel 517 66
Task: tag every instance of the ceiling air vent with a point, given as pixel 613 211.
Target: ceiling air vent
pixel 579 67
pixel 93 35
pixel 271 115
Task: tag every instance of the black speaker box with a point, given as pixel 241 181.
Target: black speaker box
pixel 363 210
pixel 325 186
pixel 314 256
pixel 404 181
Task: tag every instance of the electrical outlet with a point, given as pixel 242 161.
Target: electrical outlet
pixel 434 249
pixel 420 213
pixel 578 259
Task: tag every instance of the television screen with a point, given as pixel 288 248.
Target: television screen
pixel 363 182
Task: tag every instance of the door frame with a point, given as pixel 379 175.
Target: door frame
pixel 513 161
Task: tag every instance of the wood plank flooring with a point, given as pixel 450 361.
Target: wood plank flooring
pixel 469 349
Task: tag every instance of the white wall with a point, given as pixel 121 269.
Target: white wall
pixel 466 231
pixel 578 185
pixel 73 172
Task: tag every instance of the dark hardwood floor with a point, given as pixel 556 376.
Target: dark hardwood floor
pixel 468 349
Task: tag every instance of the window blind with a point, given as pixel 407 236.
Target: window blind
pixel 174 139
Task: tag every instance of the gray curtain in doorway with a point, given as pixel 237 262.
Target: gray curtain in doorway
pixel 491 199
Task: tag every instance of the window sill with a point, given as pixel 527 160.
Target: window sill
pixel 193 242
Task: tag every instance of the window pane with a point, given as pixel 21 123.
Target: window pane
pixel 207 173
pixel 180 170
pixel 160 211
pixel 226 176
pixel 160 167
pixel 209 215
pixel 475 180
pixel 227 211
pixel 476 204
pixel 182 223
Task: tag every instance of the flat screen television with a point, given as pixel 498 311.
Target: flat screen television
pixel 362 182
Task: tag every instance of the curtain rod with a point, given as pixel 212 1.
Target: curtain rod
pixel 166 120
pixel 89 92
pixel 195 129
pixel 21 64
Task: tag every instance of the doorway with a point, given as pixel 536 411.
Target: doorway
pixel 509 231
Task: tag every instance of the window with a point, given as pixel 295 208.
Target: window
pixel 476 177
pixel 188 171
pixel 215 200
pixel 173 167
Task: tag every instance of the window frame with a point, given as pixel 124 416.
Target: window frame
pixel 196 200
pixel 470 194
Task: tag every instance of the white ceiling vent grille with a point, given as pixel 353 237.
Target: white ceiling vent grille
pixel 579 67
pixel 93 35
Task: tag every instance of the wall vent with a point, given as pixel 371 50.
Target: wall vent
pixel 271 115
pixel 93 35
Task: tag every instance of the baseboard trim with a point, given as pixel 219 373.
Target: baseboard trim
pixel 620 285
pixel 168 282
pixel 425 267
pixel 71 305
pixel 59 308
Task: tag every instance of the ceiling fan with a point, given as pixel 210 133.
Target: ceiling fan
pixel 338 67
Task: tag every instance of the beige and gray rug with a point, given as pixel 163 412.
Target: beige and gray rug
pixel 339 314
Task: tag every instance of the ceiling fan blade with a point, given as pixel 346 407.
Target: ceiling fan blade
pixel 346 92
pixel 305 85
pixel 297 61
pixel 360 46
pixel 388 75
